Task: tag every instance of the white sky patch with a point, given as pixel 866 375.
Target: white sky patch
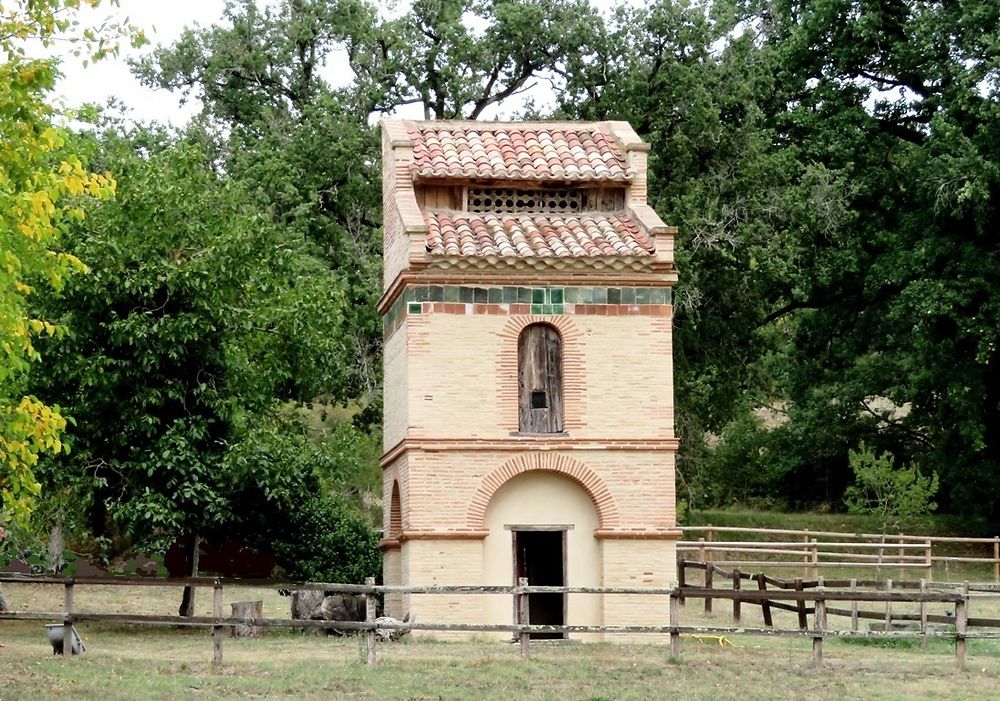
pixel 163 23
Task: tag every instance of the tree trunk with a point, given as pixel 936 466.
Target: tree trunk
pixel 187 601
pixel 54 556
pixel 247 610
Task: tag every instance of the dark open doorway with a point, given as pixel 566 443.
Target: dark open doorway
pixel 540 555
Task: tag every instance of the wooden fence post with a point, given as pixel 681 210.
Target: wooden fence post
pixel 370 616
pixel 709 572
pixel 675 621
pixel 996 558
pixel 888 605
pixel 961 619
pixel 217 630
pixel 819 620
pixel 854 607
pixel 681 579
pixel 881 556
pixel 801 605
pixel 765 605
pixel 68 621
pixel 702 556
pixel 736 601
pixel 805 557
pixel 901 552
pixel 523 612
pixel 929 561
pixel 815 559
pixel 923 616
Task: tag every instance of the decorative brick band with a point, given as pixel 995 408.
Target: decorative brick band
pixel 637 534
pixel 508 300
pixel 540 442
pixel 468 534
pixel 607 510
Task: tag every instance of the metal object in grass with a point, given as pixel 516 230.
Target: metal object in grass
pixel 55 632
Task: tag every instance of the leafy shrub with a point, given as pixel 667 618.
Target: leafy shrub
pixel 897 496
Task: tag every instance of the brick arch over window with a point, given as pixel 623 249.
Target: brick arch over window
pixel 573 369
pixel 607 511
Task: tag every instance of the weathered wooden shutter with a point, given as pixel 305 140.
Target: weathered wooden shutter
pixel 540 400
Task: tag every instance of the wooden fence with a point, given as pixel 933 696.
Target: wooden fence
pixel 850 587
pixel 797 598
pixel 814 551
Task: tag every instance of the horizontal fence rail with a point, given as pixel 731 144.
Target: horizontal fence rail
pixel 814 551
pixel 804 597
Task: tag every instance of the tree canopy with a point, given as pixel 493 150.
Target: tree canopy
pixel 832 166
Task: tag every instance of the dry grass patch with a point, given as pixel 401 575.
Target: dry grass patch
pixel 168 663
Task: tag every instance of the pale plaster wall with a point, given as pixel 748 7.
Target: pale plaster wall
pixel 544 498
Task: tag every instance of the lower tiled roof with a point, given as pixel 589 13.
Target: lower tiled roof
pixel 587 234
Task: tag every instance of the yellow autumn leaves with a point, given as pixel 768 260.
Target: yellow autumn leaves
pixel 42 185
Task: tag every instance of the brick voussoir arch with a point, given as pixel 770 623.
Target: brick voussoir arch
pixel 604 502
pixel 573 375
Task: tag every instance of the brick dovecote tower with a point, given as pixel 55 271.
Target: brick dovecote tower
pixel 529 425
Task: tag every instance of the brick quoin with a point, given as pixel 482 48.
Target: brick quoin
pixel 607 510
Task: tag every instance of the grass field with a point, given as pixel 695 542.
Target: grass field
pixel 168 663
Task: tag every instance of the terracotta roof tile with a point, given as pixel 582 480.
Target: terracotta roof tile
pixel 588 234
pixel 522 152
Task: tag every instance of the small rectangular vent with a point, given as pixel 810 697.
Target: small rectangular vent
pixel 539 400
pixel 490 199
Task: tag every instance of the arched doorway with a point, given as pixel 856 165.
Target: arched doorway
pixel 541 526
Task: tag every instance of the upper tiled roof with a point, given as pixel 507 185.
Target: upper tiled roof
pixel 525 151
pixel 589 234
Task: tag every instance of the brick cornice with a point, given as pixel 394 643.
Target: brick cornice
pixel 524 443
pixel 465 534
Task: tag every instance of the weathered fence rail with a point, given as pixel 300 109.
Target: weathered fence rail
pixel 851 590
pixel 817 550
pixel 793 596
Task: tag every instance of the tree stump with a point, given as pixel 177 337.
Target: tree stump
pixel 305 606
pixel 247 610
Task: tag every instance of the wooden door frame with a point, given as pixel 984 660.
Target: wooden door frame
pixel 529 528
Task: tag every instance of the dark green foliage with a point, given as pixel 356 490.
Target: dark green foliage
pixel 278 478
pixel 199 314
pixel 327 542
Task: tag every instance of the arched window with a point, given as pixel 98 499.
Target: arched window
pixel 539 370
pixel 395 513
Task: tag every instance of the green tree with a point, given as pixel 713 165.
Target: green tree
pixel 297 145
pixel 41 184
pixel 457 58
pixel 199 316
pixel 897 496
pixel 894 318
pixel 832 167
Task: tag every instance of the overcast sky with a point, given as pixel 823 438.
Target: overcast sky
pixel 163 21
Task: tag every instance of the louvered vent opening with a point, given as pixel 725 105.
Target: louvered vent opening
pixel 490 199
